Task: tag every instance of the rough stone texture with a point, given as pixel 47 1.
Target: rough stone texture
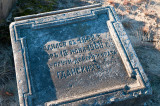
pixel 78 56
pixel 5 7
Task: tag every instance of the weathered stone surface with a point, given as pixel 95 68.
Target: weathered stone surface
pixel 78 56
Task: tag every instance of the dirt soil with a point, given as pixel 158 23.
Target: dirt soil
pixel 141 20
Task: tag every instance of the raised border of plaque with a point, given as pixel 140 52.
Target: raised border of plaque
pixel 119 36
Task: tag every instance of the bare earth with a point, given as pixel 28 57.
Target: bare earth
pixel 141 19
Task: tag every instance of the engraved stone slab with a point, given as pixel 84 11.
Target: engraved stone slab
pixel 77 56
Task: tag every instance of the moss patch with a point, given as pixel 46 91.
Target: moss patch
pixel 28 7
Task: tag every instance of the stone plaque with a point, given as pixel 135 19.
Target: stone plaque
pixel 77 56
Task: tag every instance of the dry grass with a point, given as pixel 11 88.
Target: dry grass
pixel 8 94
pixel 8 89
pixel 125 2
pixel 145 29
pixel 111 2
pixel 127 24
pixel 137 1
pixel 149 12
pixel 6 64
pixel 140 10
